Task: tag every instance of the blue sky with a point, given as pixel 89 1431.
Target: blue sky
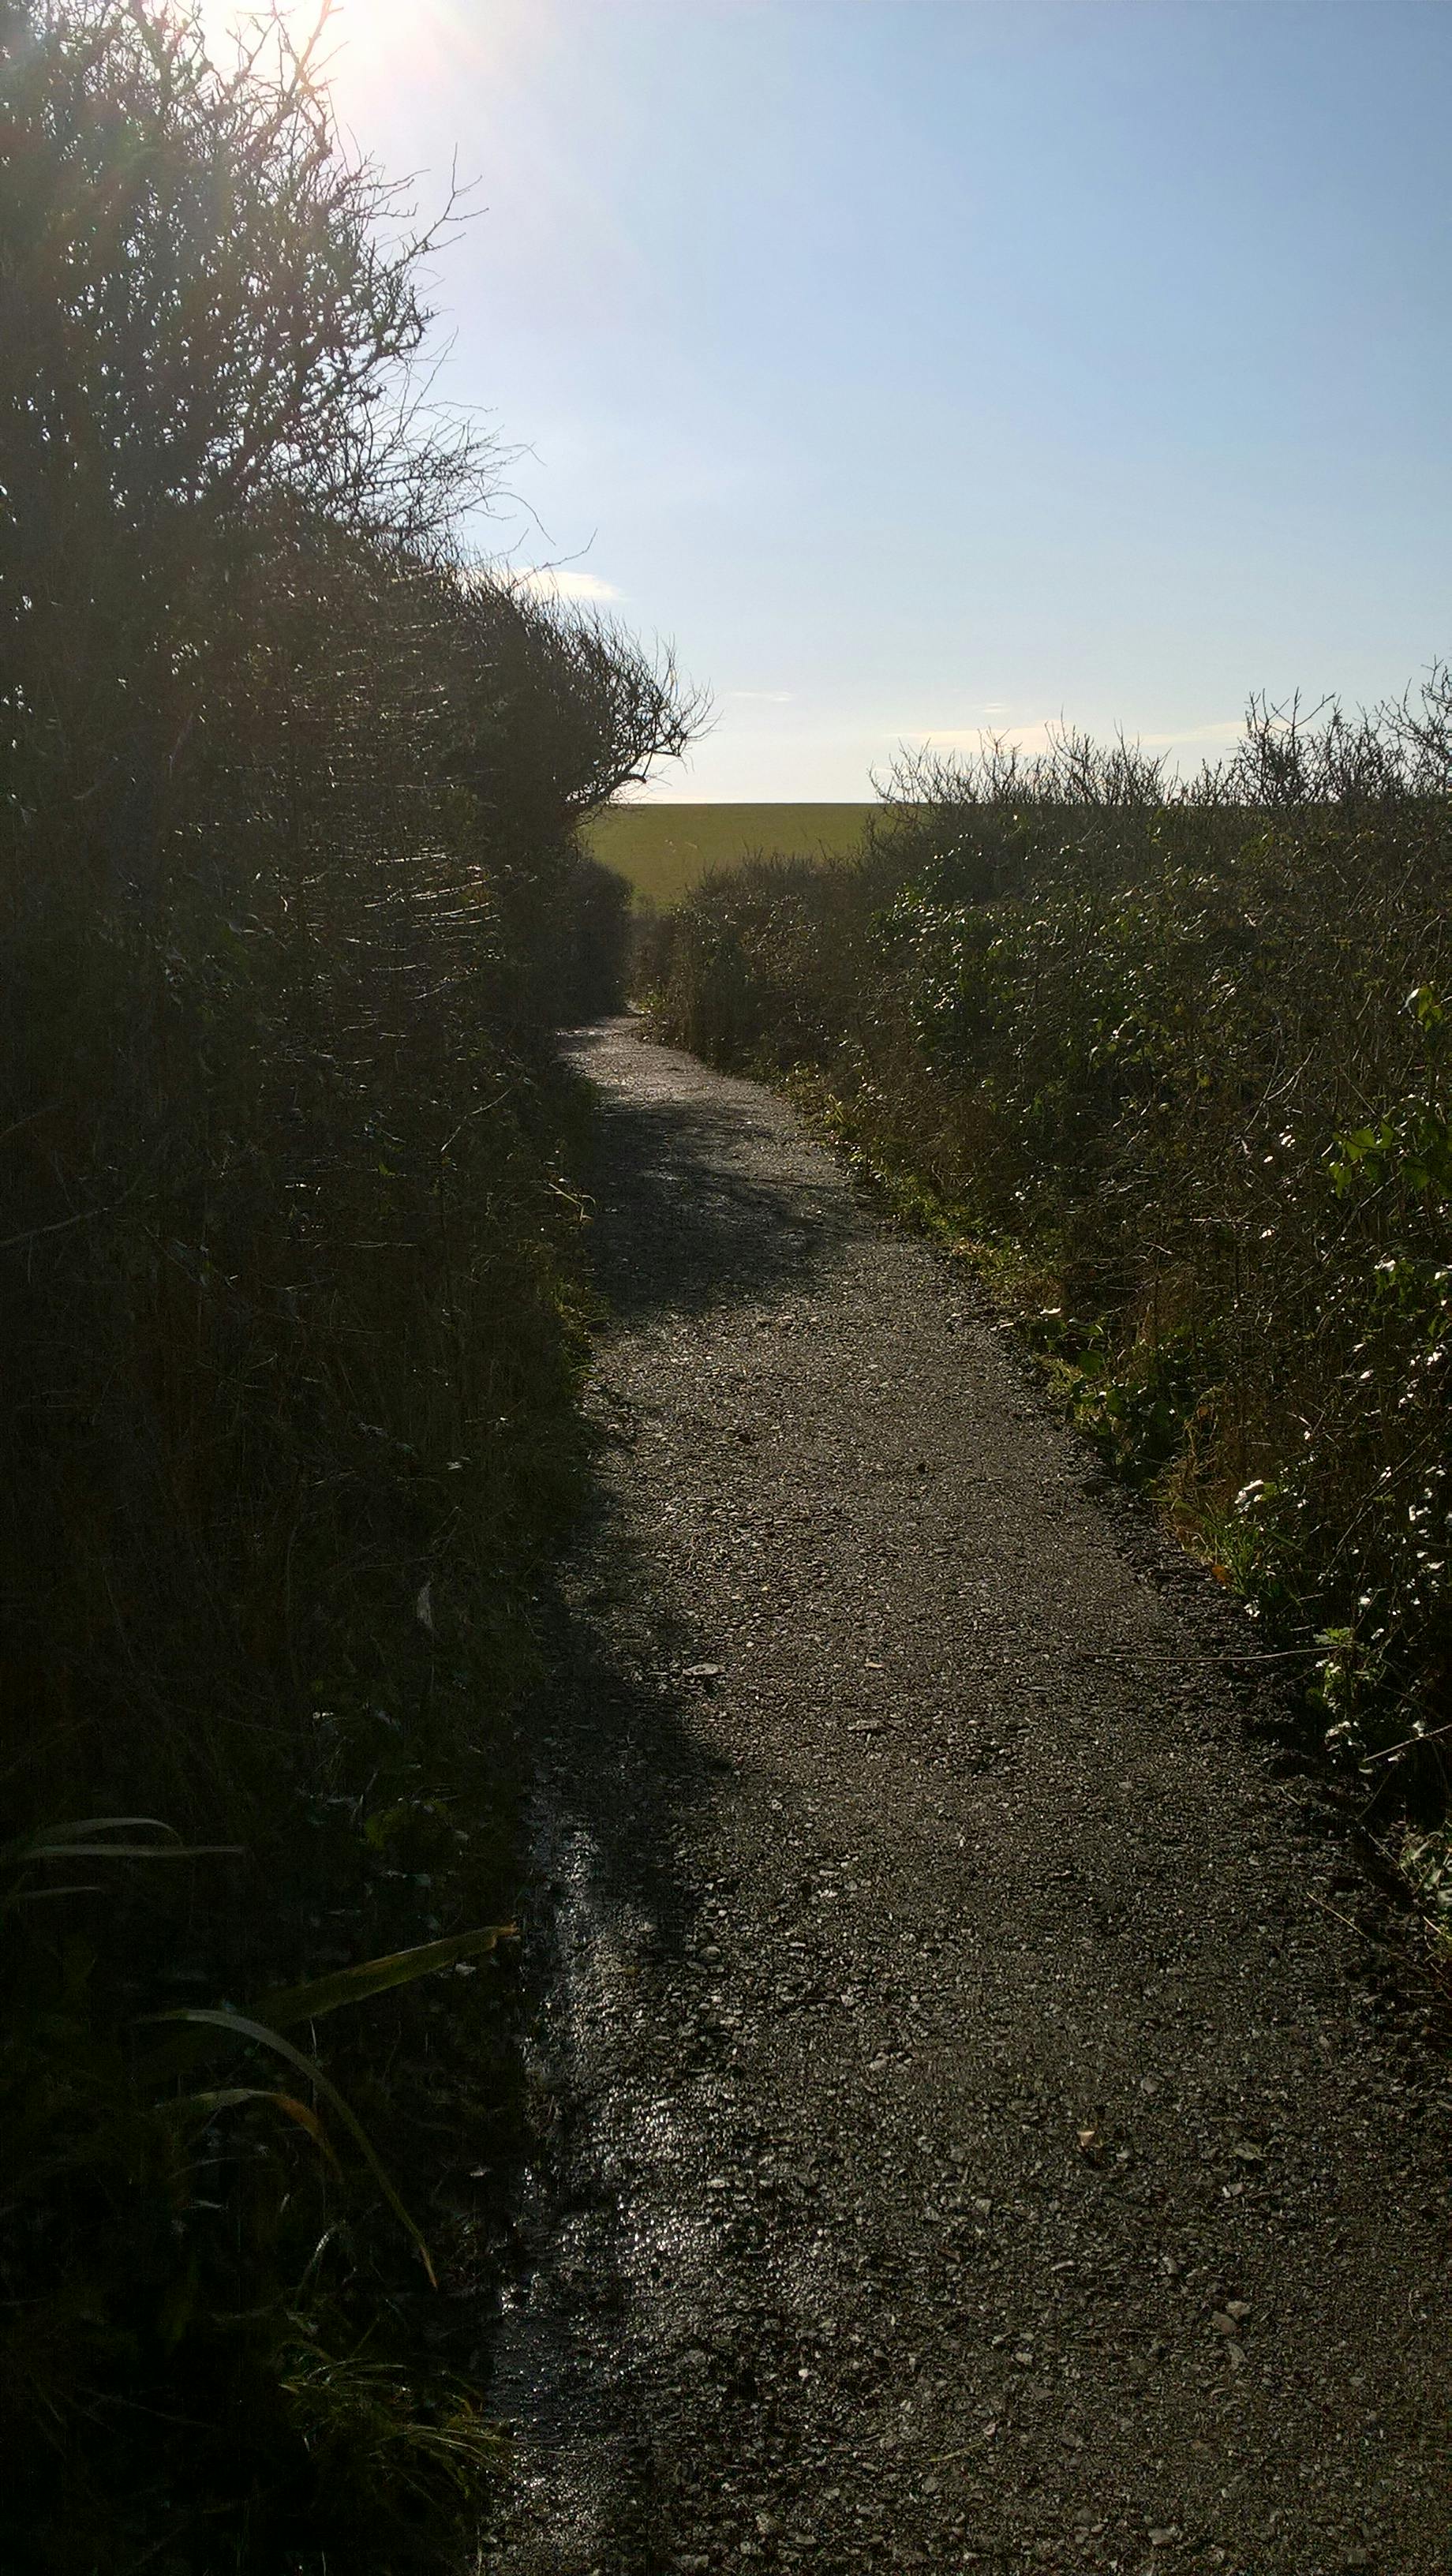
pixel 925 365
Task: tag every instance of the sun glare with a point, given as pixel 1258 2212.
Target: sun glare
pixel 374 46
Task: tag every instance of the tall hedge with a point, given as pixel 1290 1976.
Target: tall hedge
pixel 291 901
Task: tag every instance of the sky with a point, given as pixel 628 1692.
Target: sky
pixel 921 367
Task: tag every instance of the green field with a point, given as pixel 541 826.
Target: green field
pixel 666 849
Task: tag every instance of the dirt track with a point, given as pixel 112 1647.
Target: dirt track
pixel 966 2144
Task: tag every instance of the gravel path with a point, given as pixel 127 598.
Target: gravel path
pixel 965 2141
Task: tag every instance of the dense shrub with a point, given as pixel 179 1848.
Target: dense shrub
pixel 291 901
pixel 1187 1050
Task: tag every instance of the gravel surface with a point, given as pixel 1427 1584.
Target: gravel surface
pixel 967 2139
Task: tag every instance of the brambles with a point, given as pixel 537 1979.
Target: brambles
pixel 1183 1053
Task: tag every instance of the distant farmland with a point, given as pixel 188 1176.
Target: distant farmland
pixel 666 849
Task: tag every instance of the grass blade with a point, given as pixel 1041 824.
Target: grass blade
pixel 374 1976
pixel 228 2097
pixel 241 2026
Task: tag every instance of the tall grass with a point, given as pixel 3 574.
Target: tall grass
pixel 1176 1059
pixel 291 902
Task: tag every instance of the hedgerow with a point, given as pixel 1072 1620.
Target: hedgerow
pixel 1175 1060
pixel 292 901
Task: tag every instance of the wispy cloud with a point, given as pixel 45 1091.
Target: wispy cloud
pixel 563 581
pixel 761 697
pixel 1037 736
pixel 1026 737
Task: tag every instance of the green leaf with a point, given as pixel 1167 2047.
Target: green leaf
pixel 64 1842
pixel 38 1895
pixel 56 1837
pixel 139 1851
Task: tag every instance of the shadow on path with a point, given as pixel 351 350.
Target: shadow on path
pixel 685 1223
